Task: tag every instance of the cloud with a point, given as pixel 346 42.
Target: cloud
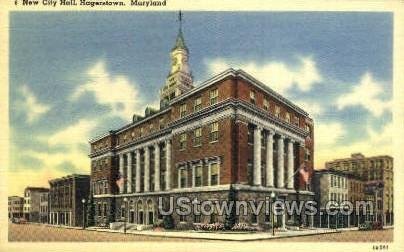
pixel 29 104
pixel 278 75
pixel 328 134
pixel 313 108
pixel 365 94
pixel 115 91
pixel 377 143
pixel 72 135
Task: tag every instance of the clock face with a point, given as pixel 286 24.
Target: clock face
pixel 174 60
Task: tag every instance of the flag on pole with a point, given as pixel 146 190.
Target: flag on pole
pixel 120 181
pixel 304 173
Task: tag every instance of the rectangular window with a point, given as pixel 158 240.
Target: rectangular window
pixel 250 135
pixel 183 218
pixel 254 218
pixel 287 117
pixel 198 137
pixel 197 218
pixel 105 210
pixel 266 104
pixel 252 97
pixel 214 132
pixel 105 187
pixel 198 104
pixel 161 123
pixel 183 178
pixel 296 120
pixel 183 110
pixel 214 94
pixel 198 175
pixel 277 111
pixel 214 174
pixel 183 141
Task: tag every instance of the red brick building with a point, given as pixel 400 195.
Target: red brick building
pixel 230 130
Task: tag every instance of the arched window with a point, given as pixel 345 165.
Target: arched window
pixel 150 212
pixel 140 219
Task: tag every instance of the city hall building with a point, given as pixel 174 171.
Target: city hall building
pixel 231 132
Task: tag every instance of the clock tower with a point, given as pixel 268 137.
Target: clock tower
pixel 179 80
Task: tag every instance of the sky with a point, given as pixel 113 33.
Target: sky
pixel 75 75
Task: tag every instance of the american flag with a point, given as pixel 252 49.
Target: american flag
pixel 120 181
pixel 304 173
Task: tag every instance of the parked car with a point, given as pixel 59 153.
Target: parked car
pixel 377 225
pixel 367 225
pixel 21 221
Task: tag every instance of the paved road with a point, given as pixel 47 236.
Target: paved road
pixel 348 236
pixel 32 232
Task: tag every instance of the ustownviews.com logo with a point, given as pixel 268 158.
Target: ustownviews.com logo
pixel 193 206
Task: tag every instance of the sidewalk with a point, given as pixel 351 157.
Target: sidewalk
pixel 222 236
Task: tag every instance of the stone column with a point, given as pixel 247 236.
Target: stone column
pixel 121 173
pixel 281 166
pixel 129 174
pixel 291 181
pixel 269 160
pixel 138 172
pixel 257 156
pixel 146 169
pixel 168 165
pixel 193 175
pixel 157 167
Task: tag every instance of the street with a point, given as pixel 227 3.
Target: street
pixel 35 232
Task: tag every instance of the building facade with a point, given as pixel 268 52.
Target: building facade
pixel 230 131
pixel 65 199
pixel 377 172
pixel 43 207
pixel 31 203
pixel 15 207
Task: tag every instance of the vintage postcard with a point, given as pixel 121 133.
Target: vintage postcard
pixel 179 125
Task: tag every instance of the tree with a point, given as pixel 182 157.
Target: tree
pixel 230 218
pixel 111 215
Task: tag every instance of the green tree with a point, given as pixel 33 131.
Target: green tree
pixel 230 218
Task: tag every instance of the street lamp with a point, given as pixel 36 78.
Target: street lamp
pixel 273 196
pixel 124 221
pixel 84 213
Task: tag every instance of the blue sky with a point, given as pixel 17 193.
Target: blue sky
pixel 74 75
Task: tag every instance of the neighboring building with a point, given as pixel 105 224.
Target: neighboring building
pixel 330 186
pixel 31 202
pixel 15 206
pixel 356 193
pixel 377 172
pixel 65 196
pixel 231 130
pixel 43 207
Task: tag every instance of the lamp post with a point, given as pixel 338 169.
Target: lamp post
pixel 84 213
pixel 273 195
pixel 125 200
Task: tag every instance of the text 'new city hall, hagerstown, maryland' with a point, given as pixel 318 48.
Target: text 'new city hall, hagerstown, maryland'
pixel 231 133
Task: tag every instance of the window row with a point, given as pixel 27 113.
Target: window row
pixel 197 136
pixel 197 103
pixel 339 182
pixel 100 187
pixel 277 110
pixel 198 175
pixel 338 197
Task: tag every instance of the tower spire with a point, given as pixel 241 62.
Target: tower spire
pixel 180 20
pixel 180 79
pixel 180 42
